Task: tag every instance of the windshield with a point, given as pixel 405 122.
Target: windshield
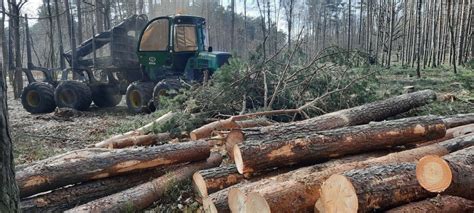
pixel 156 36
pixel 185 38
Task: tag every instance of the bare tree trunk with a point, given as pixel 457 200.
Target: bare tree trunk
pixel 18 76
pixel 349 26
pixel 4 39
pixel 232 31
pixel 8 189
pixel 418 27
pixel 62 62
pixel 451 30
pixel 99 17
pixel 79 21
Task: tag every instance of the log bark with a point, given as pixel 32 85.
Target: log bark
pixel 455 132
pixel 140 131
pixel 451 174
pixel 96 163
pixel 309 146
pixel 363 114
pixel 144 195
pixel 69 197
pixel 206 130
pixel 458 120
pixel 141 140
pixel 371 189
pixel 230 123
pixel 439 204
pixel 298 190
pixel 214 179
pixel 218 201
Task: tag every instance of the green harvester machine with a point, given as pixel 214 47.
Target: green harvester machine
pixel 170 51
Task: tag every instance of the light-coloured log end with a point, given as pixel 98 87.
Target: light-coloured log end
pixel 208 205
pixel 433 173
pixel 338 195
pixel 239 163
pixel 236 136
pixel 236 200
pixel 255 203
pixel 199 185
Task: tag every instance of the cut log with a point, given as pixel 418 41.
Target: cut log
pixel 458 120
pixel 371 189
pixel 257 122
pixel 240 198
pixel 439 204
pixel 363 114
pixel 214 179
pixel 230 123
pixel 140 131
pixel 206 130
pixel 96 163
pixel 141 140
pixel 144 195
pixel 69 197
pixel 453 133
pixel 308 146
pixel 254 203
pixel 451 174
pixel 298 190
pixel 219 200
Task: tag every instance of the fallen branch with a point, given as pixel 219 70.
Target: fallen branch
pixel 140 131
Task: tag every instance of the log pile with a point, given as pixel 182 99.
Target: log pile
pixel 355 160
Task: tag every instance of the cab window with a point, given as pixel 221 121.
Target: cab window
pixel 156 36
pixel 185 38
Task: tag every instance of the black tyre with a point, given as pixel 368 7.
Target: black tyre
pixel 165 88
pixel 138 96
pixel 73 94
pixel 38 97
pixel 106 95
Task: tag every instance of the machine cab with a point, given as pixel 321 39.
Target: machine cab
pixel 167 43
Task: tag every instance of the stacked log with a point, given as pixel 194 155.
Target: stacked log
pixel 308 146
pixel 144 195
pixel 451 174
pixel 68 197
pixel 364 114
pixel 348 167
pixel 299 189
pixel 96 163
pixel 388 186
pixel 439 204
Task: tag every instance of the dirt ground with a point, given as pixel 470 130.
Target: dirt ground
pixel 39 136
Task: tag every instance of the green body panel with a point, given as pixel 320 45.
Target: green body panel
pixel 154 59
pixel 158 65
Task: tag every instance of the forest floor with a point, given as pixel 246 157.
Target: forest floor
pixel 36 137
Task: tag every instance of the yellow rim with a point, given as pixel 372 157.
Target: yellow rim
pixel 33 98
pixel 135 99
pixel 67 96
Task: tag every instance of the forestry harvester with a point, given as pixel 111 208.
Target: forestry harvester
pixel 171 50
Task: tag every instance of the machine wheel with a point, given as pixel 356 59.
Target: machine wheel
pixel 105 95
pixel 38 97
pixel 73 94
pixel 138 95
pixel 167 88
